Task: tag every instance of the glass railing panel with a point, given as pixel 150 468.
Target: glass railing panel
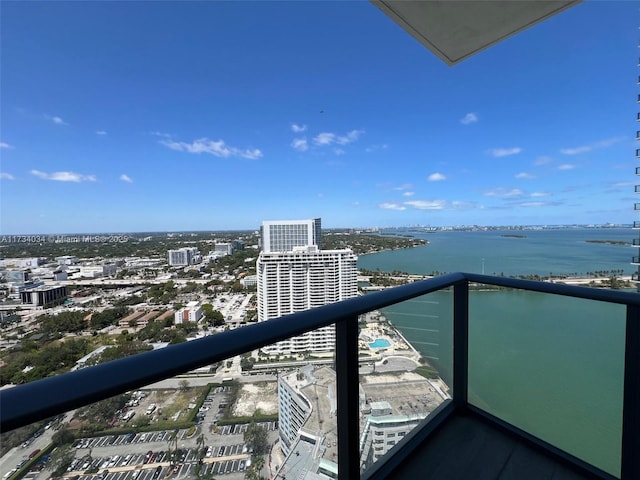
pixel 551 366
pixel 141 435
pixel 405 370
pixel 207 423
pixel 306 439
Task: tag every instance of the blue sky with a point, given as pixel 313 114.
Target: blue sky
pixel 126 116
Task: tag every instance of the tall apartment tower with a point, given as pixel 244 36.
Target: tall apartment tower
pixel 284 235
pixel 293 278
pixel 183 256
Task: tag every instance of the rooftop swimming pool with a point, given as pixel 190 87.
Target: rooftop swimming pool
pixel 379 343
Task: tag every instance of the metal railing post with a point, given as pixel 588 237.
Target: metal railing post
pixel 630 468
pixel 460 343
pixel 348 398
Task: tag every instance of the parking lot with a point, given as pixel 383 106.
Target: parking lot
pixel 146 456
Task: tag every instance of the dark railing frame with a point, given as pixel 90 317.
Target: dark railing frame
pixel 44 398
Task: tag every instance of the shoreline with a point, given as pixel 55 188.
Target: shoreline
pixel 577 281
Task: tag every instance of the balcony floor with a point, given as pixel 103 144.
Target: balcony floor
pixel 467 447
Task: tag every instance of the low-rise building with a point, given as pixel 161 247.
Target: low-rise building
pixel 96 271
pixel 249 281
pixel 17 276
pixel 191 313
pixel 44 296
pixel 67 260
pixel 383 430
pixel 223 248
pixel 21 262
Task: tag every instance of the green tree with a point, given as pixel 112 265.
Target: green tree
pixel 212 316
pixel 61 458
pixel 253 472
pixel 63 437
pixel 256 438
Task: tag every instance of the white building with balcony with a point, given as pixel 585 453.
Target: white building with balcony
pixel 298 280
pixel 307 407
pixel 183 257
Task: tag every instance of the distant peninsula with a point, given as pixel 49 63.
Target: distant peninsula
pixel 610 242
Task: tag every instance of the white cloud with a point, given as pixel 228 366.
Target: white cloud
pixel 217 148
pixel 373 148
pixel 5 145
pixel 155 133
pixel 436 177
pixel 404 186
pixel 427 204
pixel 469 118
pixel 351 137
pixel 460 205
pixel 126 178
pixel 6 176
pixel 525 175
pixel 587 148
pixel 408 194
pixel 300 144
pixel 576 150
pixel 324 139
pixel 298 128
pixel 101 132
pixel 532 204
pixel 64 176
pixel 391 206
pixel 327 138
pixel 566 166
pixel 504 152
pixel 55 119
pixel 540 194
pixel 502 192
pixel 542 161
pixel 339 151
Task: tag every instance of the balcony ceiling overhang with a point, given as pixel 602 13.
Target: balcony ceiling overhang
pixel 455 30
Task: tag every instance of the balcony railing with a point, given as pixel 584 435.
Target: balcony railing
pixel 44 398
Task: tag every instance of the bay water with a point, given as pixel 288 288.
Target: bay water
pixel 550 365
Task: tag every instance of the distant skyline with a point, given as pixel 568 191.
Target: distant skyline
pixel 203 116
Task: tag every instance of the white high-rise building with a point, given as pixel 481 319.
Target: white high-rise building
pixel 294 274
pixel 304 278
pixel 307 406
pixel 284 235
pixel 183 257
